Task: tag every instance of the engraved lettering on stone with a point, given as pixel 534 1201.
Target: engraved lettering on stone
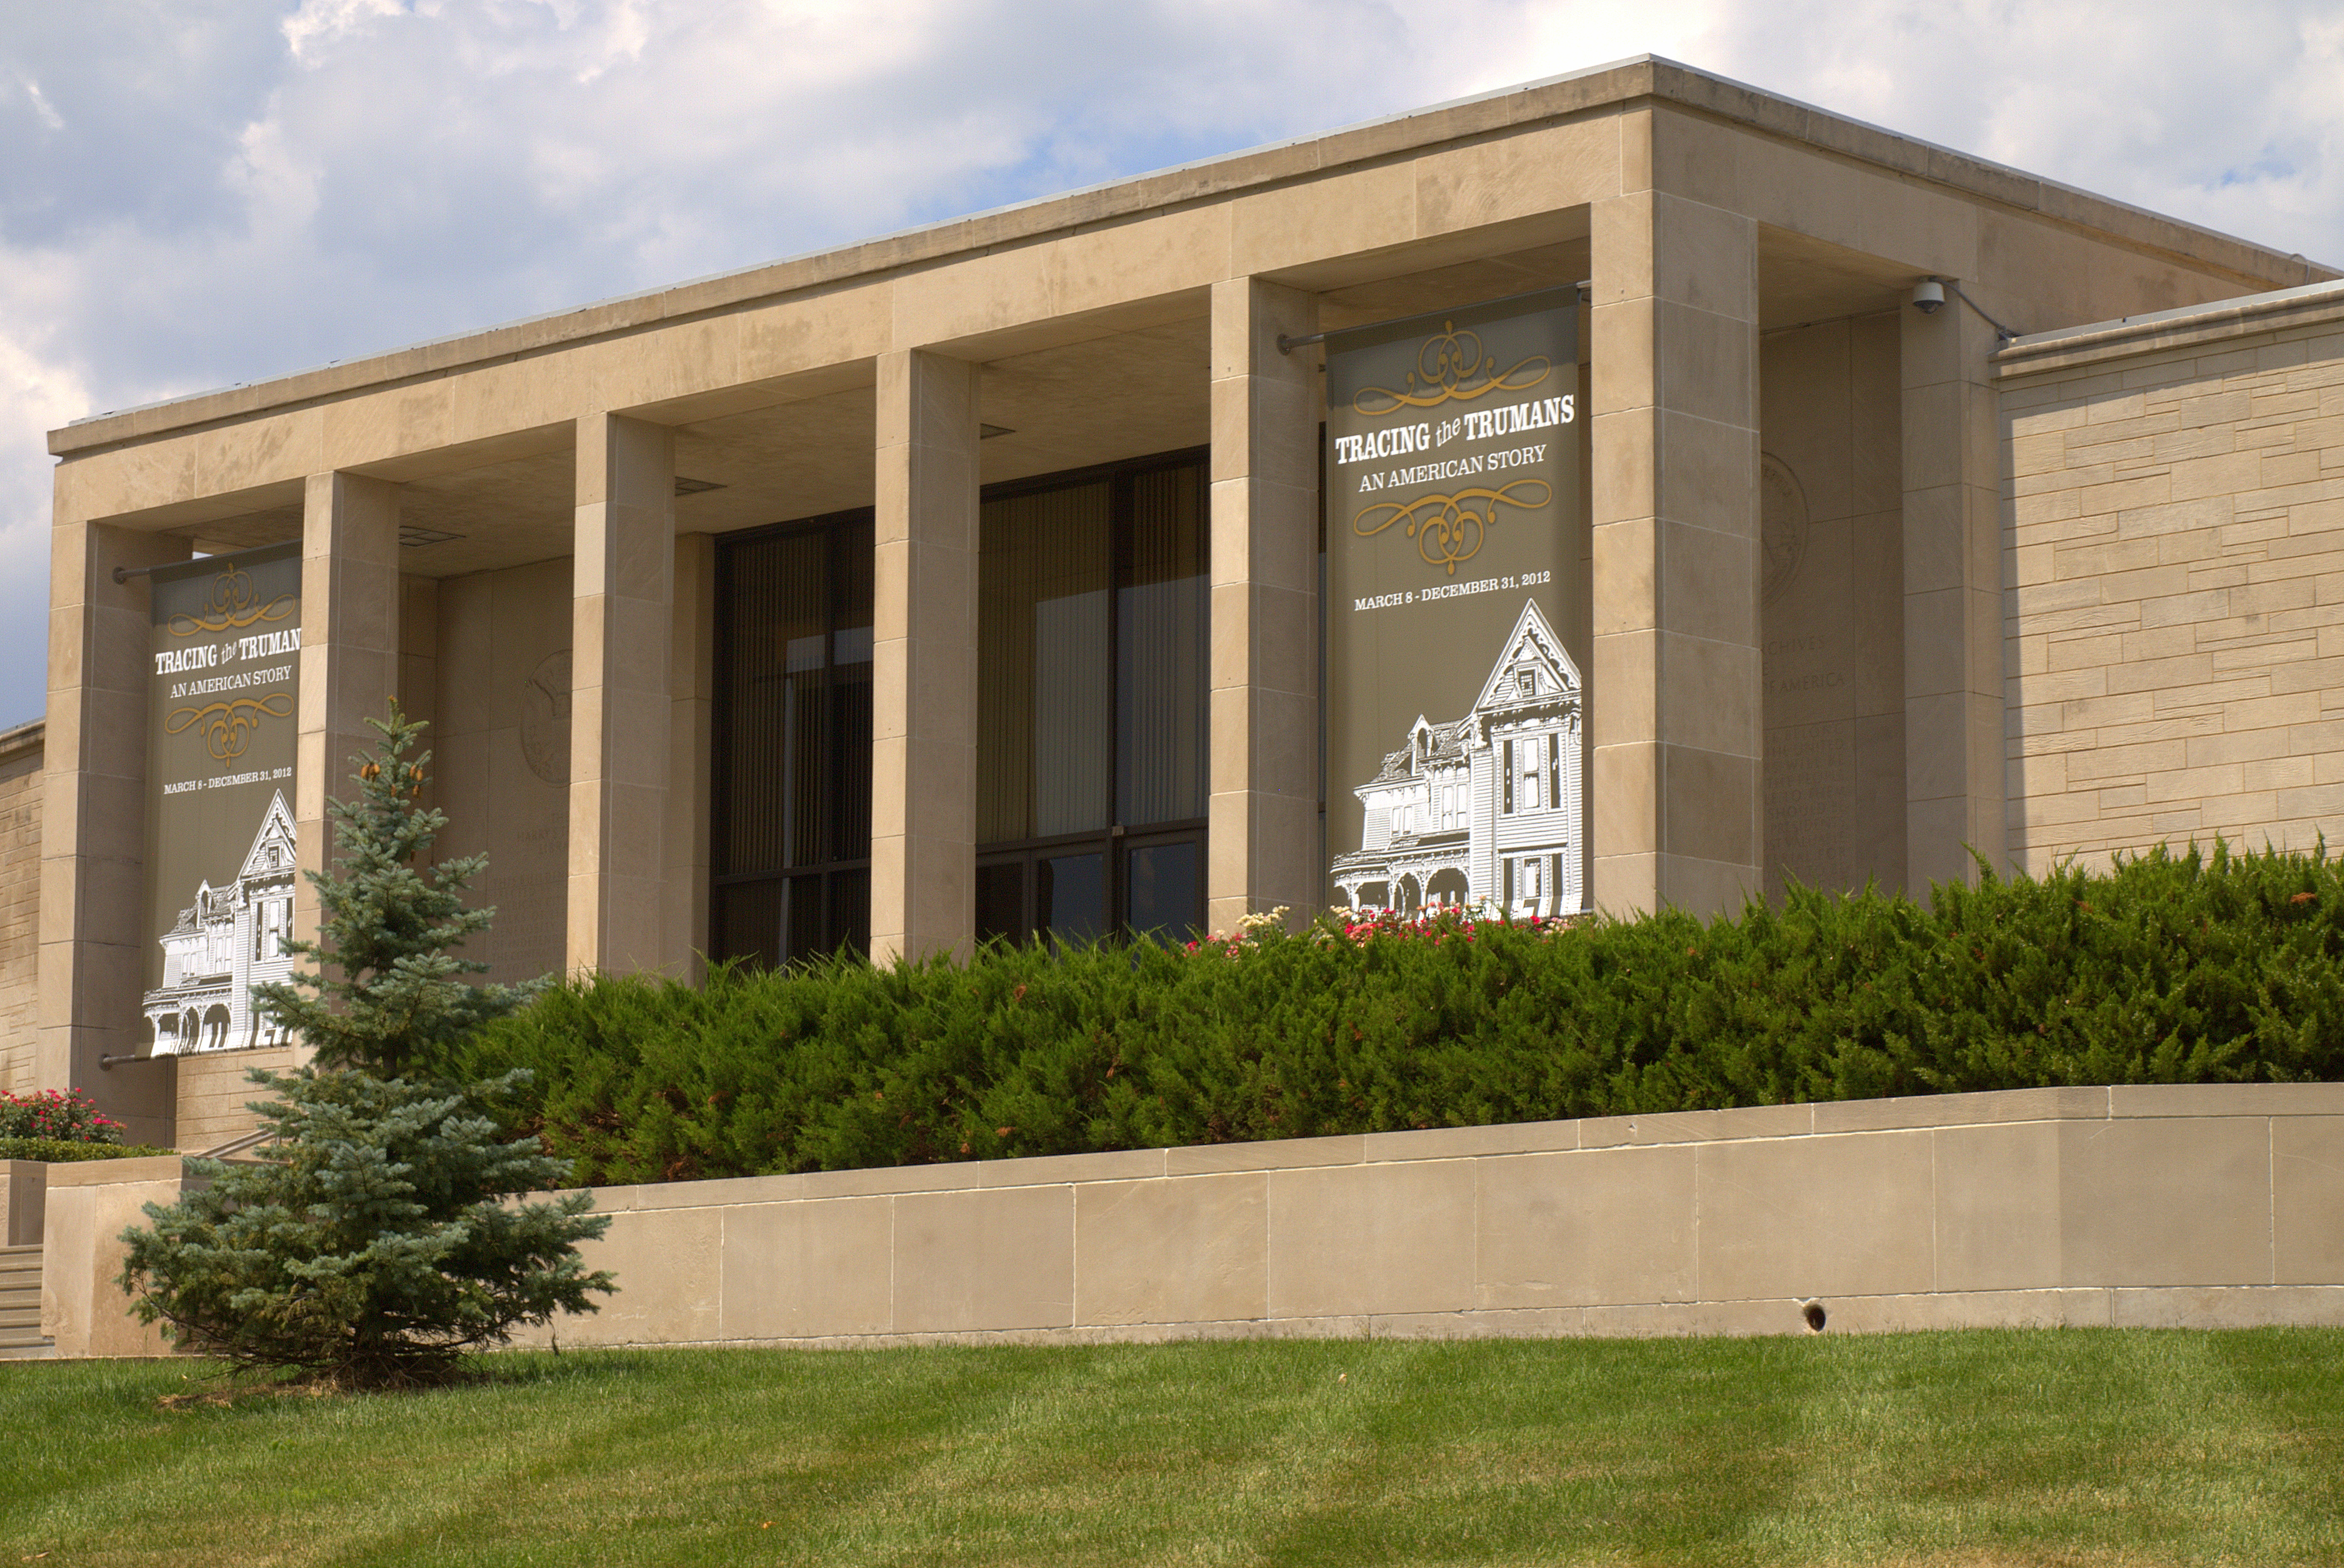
pixel 545 719
pixel 1781 526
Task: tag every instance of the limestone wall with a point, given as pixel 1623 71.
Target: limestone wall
pixel 500 746
pixel 213 1092
pixel 1832 610
pixel 2174 577
pixel 89 1204
pixel 2194 1206
pixel 2190 1205
pixel 24 1188
pixel 20 901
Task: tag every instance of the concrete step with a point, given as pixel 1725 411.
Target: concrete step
pixel 20 1306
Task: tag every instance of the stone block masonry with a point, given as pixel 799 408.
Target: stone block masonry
pixel 2193 1206
pixel 2197 1205
pixel 2174 563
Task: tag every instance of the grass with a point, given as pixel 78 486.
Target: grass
pixel 2078 1447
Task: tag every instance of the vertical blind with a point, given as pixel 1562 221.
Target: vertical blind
pixel 1043 665
pixel 1161 652
pixel 791 831
pixel 1074 733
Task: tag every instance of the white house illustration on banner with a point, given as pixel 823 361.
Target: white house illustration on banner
pixel 1483 811
pixel 229 940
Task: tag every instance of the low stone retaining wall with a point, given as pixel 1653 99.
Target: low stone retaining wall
pixel 2201 1206
pixel 90 1204
pixel 22 1184
pixel 2197 1205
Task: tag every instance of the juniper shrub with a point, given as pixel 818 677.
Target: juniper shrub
pixel 2173 967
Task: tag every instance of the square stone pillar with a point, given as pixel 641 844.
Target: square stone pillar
pixel 351 605
pixel 1675 703
pixel 1953 742
pixel 418 654
pixel 692 690
pixel 622 629
pixel 92 911
pixel 924 659
pixel 1263 847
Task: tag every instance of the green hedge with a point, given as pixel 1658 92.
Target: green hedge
pixel 2174 968
pixel 58 1151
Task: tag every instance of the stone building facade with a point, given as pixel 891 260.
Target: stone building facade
pixel 964 582
pixel 20 903
pixel 2174 629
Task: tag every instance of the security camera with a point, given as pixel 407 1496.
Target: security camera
pixel 1928 297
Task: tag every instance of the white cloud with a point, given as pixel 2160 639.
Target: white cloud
pixel 223 190
pixel 318 23
pixel 42 106
pixel 39 391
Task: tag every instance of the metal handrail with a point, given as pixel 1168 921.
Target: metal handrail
pixel 237 1146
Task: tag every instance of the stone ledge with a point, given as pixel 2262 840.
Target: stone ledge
pixel 112 1172
pixel 1822 1120
pixel 2196 327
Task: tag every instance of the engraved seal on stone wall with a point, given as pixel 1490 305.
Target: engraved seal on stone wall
pixel 1782 527
pixel 545 719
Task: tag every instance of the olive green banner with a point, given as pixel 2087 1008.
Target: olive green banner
pixel 222 715
pixel 1453 510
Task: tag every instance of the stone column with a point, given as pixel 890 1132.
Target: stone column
pixel 691 667
pixel 622 611
pixel 93 921
pixel 1263 844
pixel 1953 598
pixel 1675 702
pixel 924 659
pixel 350 611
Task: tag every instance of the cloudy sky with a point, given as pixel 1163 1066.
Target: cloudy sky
pixel 195 193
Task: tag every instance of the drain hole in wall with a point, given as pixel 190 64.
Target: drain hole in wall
pixel 1813 1312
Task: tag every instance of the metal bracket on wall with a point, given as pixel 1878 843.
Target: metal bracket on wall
pixel 2004 335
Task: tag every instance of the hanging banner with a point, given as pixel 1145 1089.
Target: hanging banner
pixel 222 705
pixel 1453 517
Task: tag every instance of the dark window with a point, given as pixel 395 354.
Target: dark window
pixel 790 832
pixel 1164 886
pixel 1092 673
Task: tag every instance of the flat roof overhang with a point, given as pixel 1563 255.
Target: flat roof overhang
pixel 1219 179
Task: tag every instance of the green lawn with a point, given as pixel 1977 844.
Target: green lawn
pixel 2061 1447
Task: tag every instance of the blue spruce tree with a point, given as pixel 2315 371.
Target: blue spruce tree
pixel 377 1238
